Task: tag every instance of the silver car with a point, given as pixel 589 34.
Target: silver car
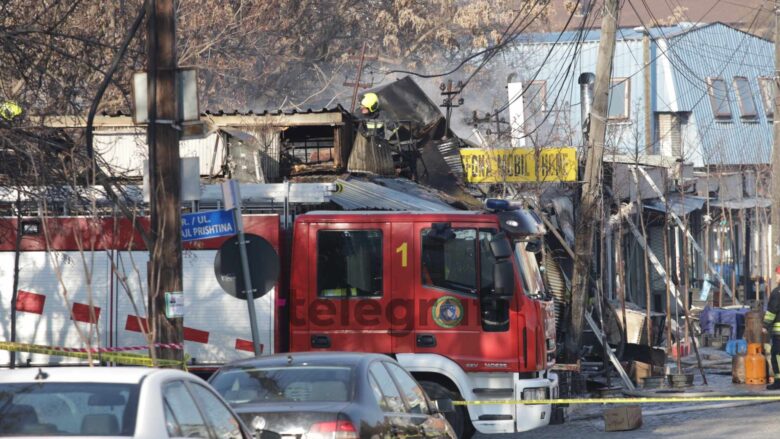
pixel 113 402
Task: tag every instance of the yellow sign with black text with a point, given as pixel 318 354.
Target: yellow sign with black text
pixel 519 165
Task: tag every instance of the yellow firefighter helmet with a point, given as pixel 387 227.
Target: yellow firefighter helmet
pixel 10 110
pixel 370 101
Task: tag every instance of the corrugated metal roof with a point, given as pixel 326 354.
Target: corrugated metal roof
pixel 403 196
pixel 746 203
pixel 254 112
pixel 678 204
pixel 125 152
pixel 562 89
pixel 450 152
pixel 222 112
pixel 591 35
pixel 721 51
pixel 682 58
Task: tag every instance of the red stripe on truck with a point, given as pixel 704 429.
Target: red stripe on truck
pixel 246 345
pixel 135 323
pixel 30 302
pixel 196 335
pixel 80 313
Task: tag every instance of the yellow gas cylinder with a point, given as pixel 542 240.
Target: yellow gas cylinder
pixel 755 365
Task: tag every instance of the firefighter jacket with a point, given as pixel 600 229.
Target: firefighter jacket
pixel 372 126
pixel 771 321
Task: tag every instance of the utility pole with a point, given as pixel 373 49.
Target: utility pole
pixel 590 202
pixel 357 84
pixel 499 121
pixel 648 102
pixel 165 260
pixel 490 118
pixel 775 256
pixel 449 93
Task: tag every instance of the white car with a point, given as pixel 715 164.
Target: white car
pixel 113 402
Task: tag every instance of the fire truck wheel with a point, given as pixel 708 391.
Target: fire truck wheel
pixel 459 418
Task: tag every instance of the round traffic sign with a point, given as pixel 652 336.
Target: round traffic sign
pixel 263 266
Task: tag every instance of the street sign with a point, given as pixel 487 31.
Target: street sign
pixel 205 225
pixel 174 304
pixel 245 284
pixel 231 195
pixel 263 270
pixel 519 165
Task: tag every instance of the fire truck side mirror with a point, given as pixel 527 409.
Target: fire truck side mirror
pixel 503 278
pixel 503 270
pixel 534 245
pixel 500 247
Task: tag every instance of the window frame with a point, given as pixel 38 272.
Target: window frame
pixel 381 263
pixel 476 292
pixel 766 88
pixel 198 408
pixel 234 376
pixel 75 396
pixel 626 116
pixel 371 374
pixel 427 407
pixel 715 106
pixel 741 99
pixel 541 96
pixel 191 386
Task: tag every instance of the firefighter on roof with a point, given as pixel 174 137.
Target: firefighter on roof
pixel 369 108
pixel 772 327
pixel 371 152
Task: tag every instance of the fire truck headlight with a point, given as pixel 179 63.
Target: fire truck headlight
pixel 536 393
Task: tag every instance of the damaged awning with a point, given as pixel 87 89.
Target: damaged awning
pixel 680 205
pixel 405 100
pixel 745 203
pixel 365 195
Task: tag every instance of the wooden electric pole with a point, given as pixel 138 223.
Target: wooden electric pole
pixel 775 256
pixel 590 202
pixel 357 84
pixel 165 260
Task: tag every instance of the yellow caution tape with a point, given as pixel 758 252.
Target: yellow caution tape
pixel 114 357
pixel 774 397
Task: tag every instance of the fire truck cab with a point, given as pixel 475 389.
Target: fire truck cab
pixel 441 292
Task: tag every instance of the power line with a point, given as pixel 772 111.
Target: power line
pixel 504 43
pixel 575 48
pixel 488 50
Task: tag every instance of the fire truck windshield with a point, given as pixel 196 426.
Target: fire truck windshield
pixel 462 262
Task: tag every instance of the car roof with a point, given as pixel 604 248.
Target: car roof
pixel 99 374
pixel 310 359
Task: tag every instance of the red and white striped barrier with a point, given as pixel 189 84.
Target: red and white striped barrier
pixel 176 346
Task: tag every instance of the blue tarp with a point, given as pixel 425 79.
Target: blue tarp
pixel 720 316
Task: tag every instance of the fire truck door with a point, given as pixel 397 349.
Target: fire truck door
pixel 401 313
pixel 455 269
pixel 350 288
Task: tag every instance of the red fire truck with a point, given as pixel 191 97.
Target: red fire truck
pixel 446 294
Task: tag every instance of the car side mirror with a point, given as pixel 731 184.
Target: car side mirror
pixel 503 278
pixel 443 406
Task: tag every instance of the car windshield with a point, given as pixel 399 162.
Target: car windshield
pixel 68 409
pixel 290 384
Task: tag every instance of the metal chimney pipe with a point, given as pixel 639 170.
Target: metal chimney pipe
pixel 586 81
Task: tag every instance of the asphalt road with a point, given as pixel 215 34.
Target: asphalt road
pixel 754 421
